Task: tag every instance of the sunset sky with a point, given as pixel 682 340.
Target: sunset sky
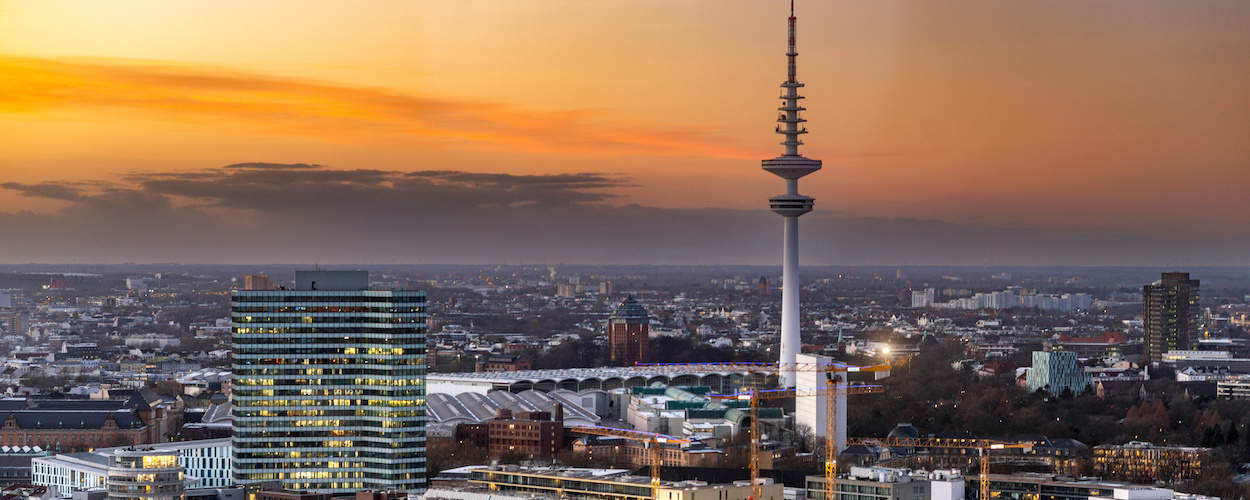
pixel 997 127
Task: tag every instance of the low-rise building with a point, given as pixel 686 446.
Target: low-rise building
pixel 1145 462
pixel 608 484
pixel 145 474
pixel 1032 485
pixel 1233 389
pixel 876 483
pixel 206 462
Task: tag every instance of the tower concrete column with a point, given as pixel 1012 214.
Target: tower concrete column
pixel 790 338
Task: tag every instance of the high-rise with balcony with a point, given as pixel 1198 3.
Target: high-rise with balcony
pixel 329 385
pixel 1171 315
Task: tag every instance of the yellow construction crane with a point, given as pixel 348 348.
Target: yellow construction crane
pixel 829 369
pixel 755 396
pixel 652 440
pixel 983 447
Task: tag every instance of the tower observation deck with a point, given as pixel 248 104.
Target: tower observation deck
pixel 790 205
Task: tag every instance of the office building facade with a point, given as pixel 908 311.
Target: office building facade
pixel 1171 315
pixel 1056 372
pixel 145 474
pixel 1144 462
pixel 329 385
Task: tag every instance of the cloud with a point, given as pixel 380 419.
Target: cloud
pixel 315 189
pixel 269 105
pixel 257 165
pixel 49 190
pixel 328 215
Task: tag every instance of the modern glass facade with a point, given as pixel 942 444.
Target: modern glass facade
pixel 329 386
pixel 145 475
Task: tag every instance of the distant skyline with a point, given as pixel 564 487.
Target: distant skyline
pixel 970 132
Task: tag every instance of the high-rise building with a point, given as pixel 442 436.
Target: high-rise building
pixel 629 330
pixel 329 385
pixel 790 205
pixel 146 474
pixel 923 298
pixel 1171 315
pixel 257 282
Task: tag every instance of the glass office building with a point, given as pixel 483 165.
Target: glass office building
pixel 329 385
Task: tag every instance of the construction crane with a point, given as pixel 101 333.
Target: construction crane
pixel 652 440
pixel 983 447
pixel 755 396
pixel 829 369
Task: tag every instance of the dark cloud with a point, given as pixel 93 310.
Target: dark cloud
pixel 48 190
pixel 315 189
pixel 259 165
pixel 326 215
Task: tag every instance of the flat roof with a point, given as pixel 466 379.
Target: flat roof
pixel 622 372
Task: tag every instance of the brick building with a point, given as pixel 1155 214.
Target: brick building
pixel 619 452
pixel 531 434
pixel 502 363
pixel 68 425
pixel 629 330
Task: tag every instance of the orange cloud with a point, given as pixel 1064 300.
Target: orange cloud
pixel 334 113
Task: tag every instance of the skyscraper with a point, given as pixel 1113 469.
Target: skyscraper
pixel 1171 321
pixel 629 330
pixel 329 385
pixel 790 205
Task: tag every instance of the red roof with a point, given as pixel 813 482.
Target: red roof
pixel 1106 338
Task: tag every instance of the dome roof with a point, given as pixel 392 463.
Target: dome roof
pixel 631 311
pixel 905 430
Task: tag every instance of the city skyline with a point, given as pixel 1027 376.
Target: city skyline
pixel 1056 135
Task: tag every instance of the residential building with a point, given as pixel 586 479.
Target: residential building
pixel 628 333
pixel 536 434
pixel 1171 315
pixel 923 298
pixel 1057 372
pixel 1145 462
pixel 329 385
pixel 145 474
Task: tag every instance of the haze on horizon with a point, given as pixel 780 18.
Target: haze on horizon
pixel 970 132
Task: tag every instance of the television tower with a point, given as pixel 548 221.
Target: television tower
pixel 790 166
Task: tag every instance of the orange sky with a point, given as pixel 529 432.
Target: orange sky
pixel 1121 115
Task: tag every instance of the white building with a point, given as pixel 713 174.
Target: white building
pixel 923 298
pixel 145 474
pixel 153 340
pixel 810 411
pixel 207 464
